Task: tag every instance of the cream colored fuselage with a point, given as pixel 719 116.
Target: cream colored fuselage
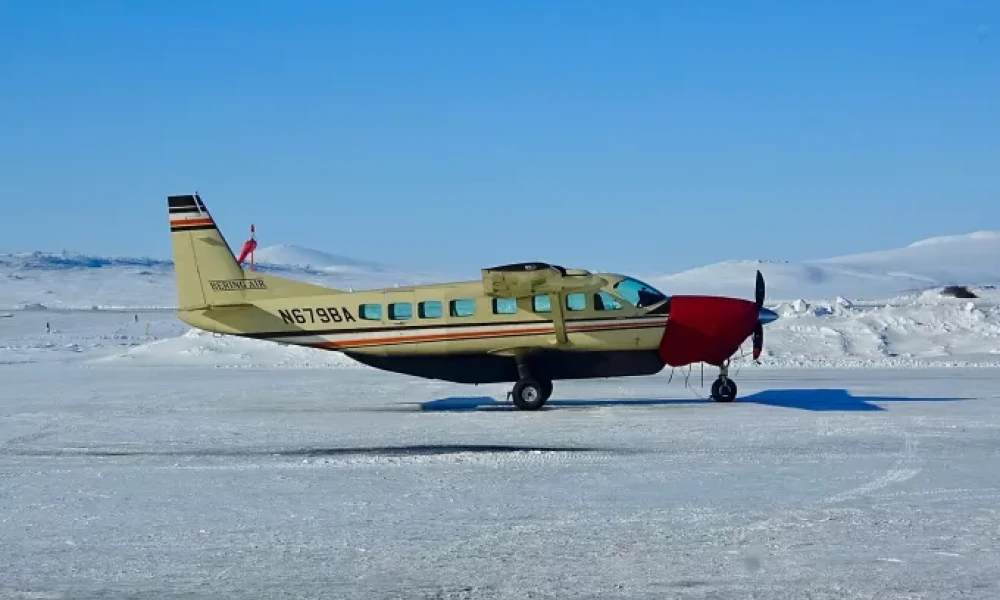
pixel 440 319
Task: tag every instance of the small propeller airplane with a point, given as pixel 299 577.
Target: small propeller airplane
pixel 527 323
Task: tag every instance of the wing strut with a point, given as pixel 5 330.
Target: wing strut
pixel 559 317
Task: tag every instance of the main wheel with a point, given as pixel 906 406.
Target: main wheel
pixel 724 390
pixel 529 394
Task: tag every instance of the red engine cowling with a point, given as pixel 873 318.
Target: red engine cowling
pixel 706 329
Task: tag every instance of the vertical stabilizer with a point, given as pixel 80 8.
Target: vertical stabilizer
pixel 204 266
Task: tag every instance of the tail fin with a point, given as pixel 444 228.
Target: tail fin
pixel 205 269
pixel 201 256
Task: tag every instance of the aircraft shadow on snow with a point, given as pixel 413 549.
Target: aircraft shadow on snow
pixel 820 399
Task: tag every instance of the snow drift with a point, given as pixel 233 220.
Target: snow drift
pixel 201 348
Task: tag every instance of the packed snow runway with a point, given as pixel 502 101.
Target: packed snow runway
pixel 122 478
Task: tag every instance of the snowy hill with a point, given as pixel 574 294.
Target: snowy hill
pixel 972 259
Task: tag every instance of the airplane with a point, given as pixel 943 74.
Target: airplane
pixel 529 323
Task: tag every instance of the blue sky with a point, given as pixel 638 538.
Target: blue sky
pixel 631 136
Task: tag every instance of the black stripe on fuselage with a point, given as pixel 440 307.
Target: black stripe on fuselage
pixel 176 228
pixel 307 332
pixel 180 201
pixel 184 209
pixel 545 364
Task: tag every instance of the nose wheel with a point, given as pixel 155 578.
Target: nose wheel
pixel 724 389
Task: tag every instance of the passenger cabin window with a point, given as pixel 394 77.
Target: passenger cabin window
pixel 541 304
pixel 605 301
pixel 400 311
pixel 504 306
pixel 576 301
pixel 462 308
pixel 429 309
pixel 638 293
pixel 370 312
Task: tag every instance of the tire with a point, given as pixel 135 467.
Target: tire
pixel 724 390
pixel 529 394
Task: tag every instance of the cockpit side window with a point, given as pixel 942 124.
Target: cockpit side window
pixel 605 301
pixel 638 293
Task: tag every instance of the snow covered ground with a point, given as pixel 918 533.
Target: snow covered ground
pixel 140 458
pixel 126 479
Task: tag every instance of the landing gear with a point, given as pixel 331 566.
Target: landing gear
pixel 724 389
pixel 530 393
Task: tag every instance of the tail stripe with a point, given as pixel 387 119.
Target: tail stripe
pixel 181 228
pixel 182 201
pixel 188 213
pixel 188 221
pixel 184 209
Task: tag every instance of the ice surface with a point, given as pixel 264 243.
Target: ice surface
pixel 122 479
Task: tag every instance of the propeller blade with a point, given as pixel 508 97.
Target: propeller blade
pixel 759 291
pixel 758 340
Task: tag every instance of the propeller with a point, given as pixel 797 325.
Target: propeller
pixel 758 331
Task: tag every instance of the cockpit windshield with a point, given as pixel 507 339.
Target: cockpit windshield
pixel 638 293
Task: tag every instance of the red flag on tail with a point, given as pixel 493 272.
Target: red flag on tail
pixel 248 247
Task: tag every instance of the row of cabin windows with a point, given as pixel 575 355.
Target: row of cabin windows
pixel 431 309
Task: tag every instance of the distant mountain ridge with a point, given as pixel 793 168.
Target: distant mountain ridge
pixel 69 280
pixel 280 257
pixel 72 260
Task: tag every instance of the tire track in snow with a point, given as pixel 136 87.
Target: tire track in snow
pixel 751 551
pixel 902 470
pixel 47 429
